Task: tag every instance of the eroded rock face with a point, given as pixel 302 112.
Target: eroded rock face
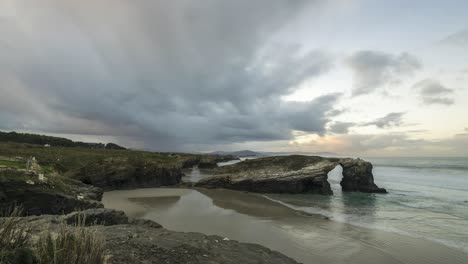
pixel 124 175
pixel 358 177
pixel 22 187
pixel 292 174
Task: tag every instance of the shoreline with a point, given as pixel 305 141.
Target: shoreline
pixel 256 219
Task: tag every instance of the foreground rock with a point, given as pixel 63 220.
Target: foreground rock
pixel 159 245
pixel 100 216
pixel 38 194
pixel 293 174
pixel 145 241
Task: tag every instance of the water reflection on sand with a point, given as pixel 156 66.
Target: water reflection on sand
pixel 253 218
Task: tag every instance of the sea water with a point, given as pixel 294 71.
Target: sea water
pixel 427 198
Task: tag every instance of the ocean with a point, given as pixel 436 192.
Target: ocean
pixel 427 198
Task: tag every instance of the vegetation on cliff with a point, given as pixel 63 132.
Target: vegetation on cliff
pixel 52 141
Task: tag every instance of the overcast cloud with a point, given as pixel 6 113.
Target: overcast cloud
pixel 433 92
pixel 373 69
pixel 188 75
pixel 390 120
pixel 168 72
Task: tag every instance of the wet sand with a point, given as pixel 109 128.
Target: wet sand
pixel 253 218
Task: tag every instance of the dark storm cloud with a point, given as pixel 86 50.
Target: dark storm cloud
pixel 433 92
pixel 390 120
pixel 373 69
pixel 169 73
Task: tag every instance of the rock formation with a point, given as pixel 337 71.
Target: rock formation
pixel 126 175
pixel 293 174
pixel 23 187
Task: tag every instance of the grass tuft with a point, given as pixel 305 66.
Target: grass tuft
pixel 14 236
pixel 78 245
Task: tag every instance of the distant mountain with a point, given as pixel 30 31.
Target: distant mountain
pixel 240 153
pixel 52 141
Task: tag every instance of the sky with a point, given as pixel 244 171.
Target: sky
pixel 355 77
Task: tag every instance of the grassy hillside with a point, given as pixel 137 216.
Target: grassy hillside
pixel 53 141
pixel 63 159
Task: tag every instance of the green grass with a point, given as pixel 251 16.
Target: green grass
pixel 16 164
pixel 63 159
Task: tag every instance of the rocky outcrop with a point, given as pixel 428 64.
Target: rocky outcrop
pixel 358 177
pixel 159 245
pixel 52 195
pixel 146 242
pixel 146 222
pixel 292 174
pixel 111 175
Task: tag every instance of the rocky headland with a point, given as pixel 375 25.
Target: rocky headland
pixel 293 174
pixel 65 185
pixel 55 190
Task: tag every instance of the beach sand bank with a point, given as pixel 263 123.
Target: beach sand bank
pixel 253 218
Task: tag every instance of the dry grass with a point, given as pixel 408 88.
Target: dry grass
pixel 14 235
pixel 71 245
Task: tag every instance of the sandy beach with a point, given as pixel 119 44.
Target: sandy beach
pixel 255 219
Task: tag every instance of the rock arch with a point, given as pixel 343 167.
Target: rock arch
pixel 293 174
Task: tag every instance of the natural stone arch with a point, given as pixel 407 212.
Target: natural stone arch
pixel 293 174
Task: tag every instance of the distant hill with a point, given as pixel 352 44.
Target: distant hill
pixel 322 154
pixel 241 153
pixel 250 153
pixel 52 141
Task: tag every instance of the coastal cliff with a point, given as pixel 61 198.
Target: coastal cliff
pixel 112 174
pixel 293 174
pixel 39 194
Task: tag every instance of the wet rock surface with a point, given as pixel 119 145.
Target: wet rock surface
pixel 292 174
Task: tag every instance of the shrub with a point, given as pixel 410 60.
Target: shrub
pixel 71 245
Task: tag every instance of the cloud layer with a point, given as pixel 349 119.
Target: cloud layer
pixel 433 92
pixel 373 69
pixel 169 73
